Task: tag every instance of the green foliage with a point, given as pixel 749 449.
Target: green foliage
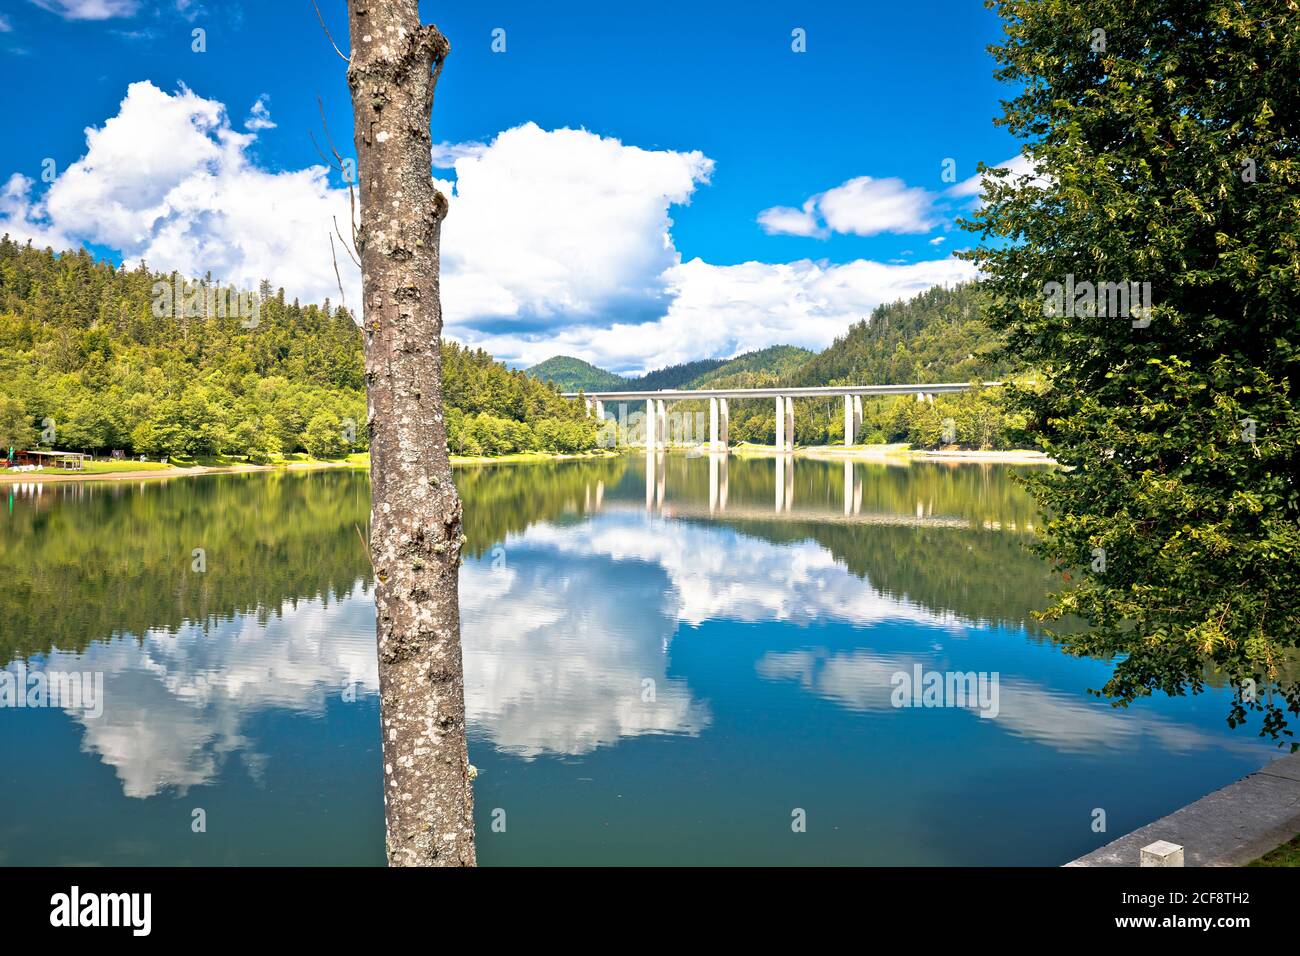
pixel 775 362
pixel 324 436
pixel 939 335
pixel 80 344
pixel 674 376
pixel 571 375
pixel 16 429
pixel 1170 157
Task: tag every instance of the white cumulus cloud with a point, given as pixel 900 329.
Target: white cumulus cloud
pixel 725 310
pixel 560 227
pixel 169 181
pixel 862 206
pixel 557 241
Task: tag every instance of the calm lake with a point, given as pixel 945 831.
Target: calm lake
pixel 680 667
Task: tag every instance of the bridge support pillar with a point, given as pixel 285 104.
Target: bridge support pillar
pixel 662 419
pixel 850 425
pixel 789 423
pixel 651 426
pixel 724 423
pixel 600 410
pixel 713 424
pixel 780 423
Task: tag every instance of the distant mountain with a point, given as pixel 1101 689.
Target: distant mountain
pixel 755 369
pixel 572 374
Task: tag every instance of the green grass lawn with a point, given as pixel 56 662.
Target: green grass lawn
pixel 102 468
pixel 1288 854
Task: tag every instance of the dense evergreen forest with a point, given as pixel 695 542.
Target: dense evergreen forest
pixel 95 358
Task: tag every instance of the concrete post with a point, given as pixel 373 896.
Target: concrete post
pixel 600 410
pixel 651 426
pixel 1161 853
pixel 724 413
pixel 789 424
pixel 780 423
pixel 857 416
pixel 850 433
pixel 662 418
pixel 587 404
pixel 713 424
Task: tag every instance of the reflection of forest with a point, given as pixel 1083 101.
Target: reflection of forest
pixel 88 561
pixel 977 575
pixel 83 562
pixel 504 499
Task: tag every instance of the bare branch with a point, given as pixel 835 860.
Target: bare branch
pixel 343 57
pixel 338 278
pixel 325 159
pixel 351 255
pixel 341 167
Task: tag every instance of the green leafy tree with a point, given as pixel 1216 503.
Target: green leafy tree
pixel 1164 136
pixel 324 437
pixel 16 430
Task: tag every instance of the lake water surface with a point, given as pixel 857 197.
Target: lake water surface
pixel 673 667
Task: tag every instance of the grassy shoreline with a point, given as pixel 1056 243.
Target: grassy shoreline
pixel 147 471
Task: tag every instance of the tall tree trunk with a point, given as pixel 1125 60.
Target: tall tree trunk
pixel 415 536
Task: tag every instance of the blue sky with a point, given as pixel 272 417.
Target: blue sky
pixel 637 184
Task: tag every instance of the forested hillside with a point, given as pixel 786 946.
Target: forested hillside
pixel 94 358
pixel 674 376
pixel 573 374
pixel 755 369
pixel 936 336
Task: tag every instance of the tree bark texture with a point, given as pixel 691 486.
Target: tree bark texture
pixel 415 531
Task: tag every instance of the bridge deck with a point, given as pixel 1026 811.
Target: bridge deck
pixel 814 391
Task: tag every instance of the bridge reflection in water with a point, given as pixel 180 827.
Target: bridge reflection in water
pixel 783 497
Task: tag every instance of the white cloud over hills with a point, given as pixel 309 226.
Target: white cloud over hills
pixel 557 241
